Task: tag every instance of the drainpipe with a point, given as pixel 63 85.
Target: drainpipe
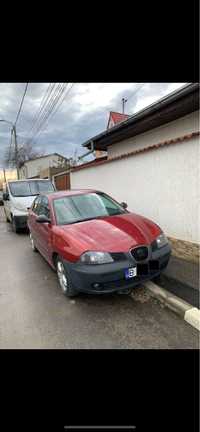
pixel 89 152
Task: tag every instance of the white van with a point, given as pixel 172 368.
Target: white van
pixel 18 196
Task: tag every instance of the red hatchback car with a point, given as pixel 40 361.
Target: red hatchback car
pixel 94 243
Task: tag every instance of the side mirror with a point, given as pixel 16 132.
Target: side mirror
pixel 5 196
pixel 43 219
pixel 124 205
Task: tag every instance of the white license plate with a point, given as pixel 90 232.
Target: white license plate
pixel 130 272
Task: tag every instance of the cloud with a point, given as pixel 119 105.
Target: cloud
pixel 83 114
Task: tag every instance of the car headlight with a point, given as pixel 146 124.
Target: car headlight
pixel 96 258
pixel 161 240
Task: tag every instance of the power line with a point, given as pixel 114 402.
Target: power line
pixel 48 104
pixel 66 92
pixel 21 104
pixel 45 98
pixel 48 110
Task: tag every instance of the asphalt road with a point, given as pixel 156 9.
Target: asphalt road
pixel 35 314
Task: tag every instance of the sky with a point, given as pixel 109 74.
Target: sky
pixel 83 114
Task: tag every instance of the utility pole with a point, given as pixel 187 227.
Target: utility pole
pixel 16 150
pixel 123 104
pixel 13 130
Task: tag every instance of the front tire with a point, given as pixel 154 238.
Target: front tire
pixel 157 279
pixel 14 226
pixel 64 280
pixel 7 220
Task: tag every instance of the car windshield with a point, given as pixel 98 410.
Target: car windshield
pixel 78 208
pixel 30 188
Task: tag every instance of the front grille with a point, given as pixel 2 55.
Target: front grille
pixel 140 253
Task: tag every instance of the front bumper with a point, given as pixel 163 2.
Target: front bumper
pixel 20 221
pixel 108 278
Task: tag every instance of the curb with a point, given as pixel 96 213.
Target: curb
pixel 189 313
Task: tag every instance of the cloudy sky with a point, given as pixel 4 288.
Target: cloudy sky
pixel 83 113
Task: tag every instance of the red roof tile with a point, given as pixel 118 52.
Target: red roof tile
pixel 117 117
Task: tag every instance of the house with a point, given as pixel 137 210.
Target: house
pixel 153 164
pixel 114 118
pixel 33 168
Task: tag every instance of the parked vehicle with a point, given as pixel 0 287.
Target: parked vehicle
pixel 1 198
pixel 94 243
pixel 18 197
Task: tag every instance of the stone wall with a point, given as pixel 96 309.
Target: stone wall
pixel 185 250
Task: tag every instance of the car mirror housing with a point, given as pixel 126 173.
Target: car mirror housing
pixel 5 196
pixel 124 205
pixel 43 219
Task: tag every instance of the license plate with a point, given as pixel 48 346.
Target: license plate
pixel 130 272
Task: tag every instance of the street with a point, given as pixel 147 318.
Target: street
pixel 35 314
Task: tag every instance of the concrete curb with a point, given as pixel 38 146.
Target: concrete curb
pixel 189 313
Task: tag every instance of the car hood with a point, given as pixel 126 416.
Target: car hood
pixel 22 203
pixel 113 233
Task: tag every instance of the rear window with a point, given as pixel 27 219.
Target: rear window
pixel 30 188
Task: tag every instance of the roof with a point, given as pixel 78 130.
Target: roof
pixel 117 117
pixel 46 155
pixel 177 140
pixel 173 106
pixel 60 194
pixel 27 180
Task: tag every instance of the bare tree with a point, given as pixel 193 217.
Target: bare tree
pixel 25 153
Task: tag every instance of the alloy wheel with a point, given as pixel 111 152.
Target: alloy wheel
pixel 62 276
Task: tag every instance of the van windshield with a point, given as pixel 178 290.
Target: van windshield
pixel 30 188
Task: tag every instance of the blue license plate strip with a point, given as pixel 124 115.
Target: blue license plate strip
pixel 131 273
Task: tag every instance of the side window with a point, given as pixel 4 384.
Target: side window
pixel 44 207
pixel 36 205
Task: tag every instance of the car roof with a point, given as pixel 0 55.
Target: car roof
pixel 27 180
pixel 61 194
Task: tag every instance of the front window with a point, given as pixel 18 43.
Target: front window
pixel 30 188
pixel 78 208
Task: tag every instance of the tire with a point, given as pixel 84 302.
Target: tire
pixel 14 226
pixel 125 291
pixel 33 244
pixel 64 279
pixel 7 220
pixel 157 279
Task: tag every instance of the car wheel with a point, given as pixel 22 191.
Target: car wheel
pixel 14 226
pixel 126 291
pixel 157 279
pixel 64 280
pixel 7 220
pixel 33 244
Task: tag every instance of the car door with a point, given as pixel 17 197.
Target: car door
pixel 43 230
pixel 32 224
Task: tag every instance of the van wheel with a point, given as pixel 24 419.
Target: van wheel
pixel 64 280
pixel 7 220
pixel 14 226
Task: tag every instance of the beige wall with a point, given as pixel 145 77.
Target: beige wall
pixel 33 168
pixel 161 184
pixel 182 126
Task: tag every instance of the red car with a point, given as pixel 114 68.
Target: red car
pixel 94 243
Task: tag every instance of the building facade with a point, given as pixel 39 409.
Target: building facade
pixel 153 164
pixel 33 168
